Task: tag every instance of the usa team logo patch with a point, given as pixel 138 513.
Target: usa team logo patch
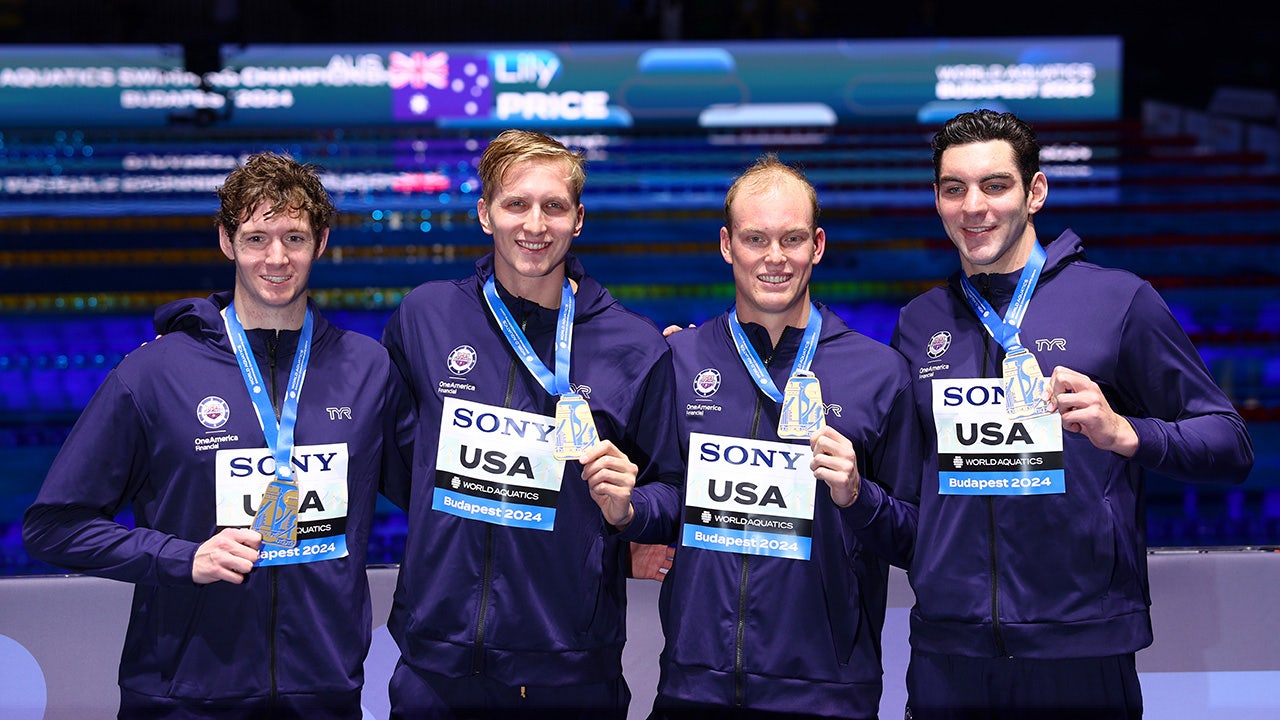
pixel 706 382
pixel 213 412
pixel 939 343
pixel 462 360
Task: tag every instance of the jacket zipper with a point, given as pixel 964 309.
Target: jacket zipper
pixel 477 657
pixel 997 633
pixel 739 652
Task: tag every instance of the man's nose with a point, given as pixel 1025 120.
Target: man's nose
pixel 974 201
pixel 276 254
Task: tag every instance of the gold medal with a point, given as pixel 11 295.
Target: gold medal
pixel 277 517
pixel 1024 386
pixel 803 414
pixel 575 430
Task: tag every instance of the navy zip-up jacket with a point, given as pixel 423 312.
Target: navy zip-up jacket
pixel 1061 575
pixel 297 629
pixel 779 634
pixel 516 604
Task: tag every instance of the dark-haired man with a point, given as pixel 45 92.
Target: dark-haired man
pixel 1030 571
pixel 252 498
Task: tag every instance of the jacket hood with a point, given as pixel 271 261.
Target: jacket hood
pixel 1064 250
pixel 590 299
pixel 833 326
pixel 201 318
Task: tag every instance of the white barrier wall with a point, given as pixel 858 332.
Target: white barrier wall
pixel 1215 614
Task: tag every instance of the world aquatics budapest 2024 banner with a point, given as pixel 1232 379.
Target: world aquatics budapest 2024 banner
pixel 721 85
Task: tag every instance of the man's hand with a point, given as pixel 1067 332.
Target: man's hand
pixel 651 562
pixel 670 330
pixel 836 464
pixel 610 478
pixel 1085 410
pixel 227 556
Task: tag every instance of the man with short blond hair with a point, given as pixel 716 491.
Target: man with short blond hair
pixel 803 474
pixel 546 443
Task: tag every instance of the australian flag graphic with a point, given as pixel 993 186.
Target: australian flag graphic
pixel 429 86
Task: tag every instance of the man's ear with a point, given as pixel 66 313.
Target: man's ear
pixel 322 242
pixel 725 251
pixel 482 212
pixel 224 242
pixel 1038 194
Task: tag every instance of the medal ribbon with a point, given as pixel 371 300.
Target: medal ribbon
pixel 1006 331
pixel 756 367
pixel 279 435
pixel 557 384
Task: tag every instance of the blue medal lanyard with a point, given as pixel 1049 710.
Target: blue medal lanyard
pixel 1006 331
pixel 756 367
pixel 557 384
pixel 279 435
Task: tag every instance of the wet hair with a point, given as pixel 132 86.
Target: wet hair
pixel 984 125
pixel 767 171
pixel 281 182
pixel 513 147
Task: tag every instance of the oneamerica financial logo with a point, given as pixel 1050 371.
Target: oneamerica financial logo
pixel 213 412
pixel 938 345
pixel 460 361
pixel 705 385
pixel 214 442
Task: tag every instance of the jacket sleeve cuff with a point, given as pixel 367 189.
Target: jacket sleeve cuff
pixel 175 562
pixel 657 506
pixel 865 508
pixel 1152 443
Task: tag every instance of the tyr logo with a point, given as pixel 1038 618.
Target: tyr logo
pixel 1044 344
pixel 339 413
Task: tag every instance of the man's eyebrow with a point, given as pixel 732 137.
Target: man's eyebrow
pixel 992 176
